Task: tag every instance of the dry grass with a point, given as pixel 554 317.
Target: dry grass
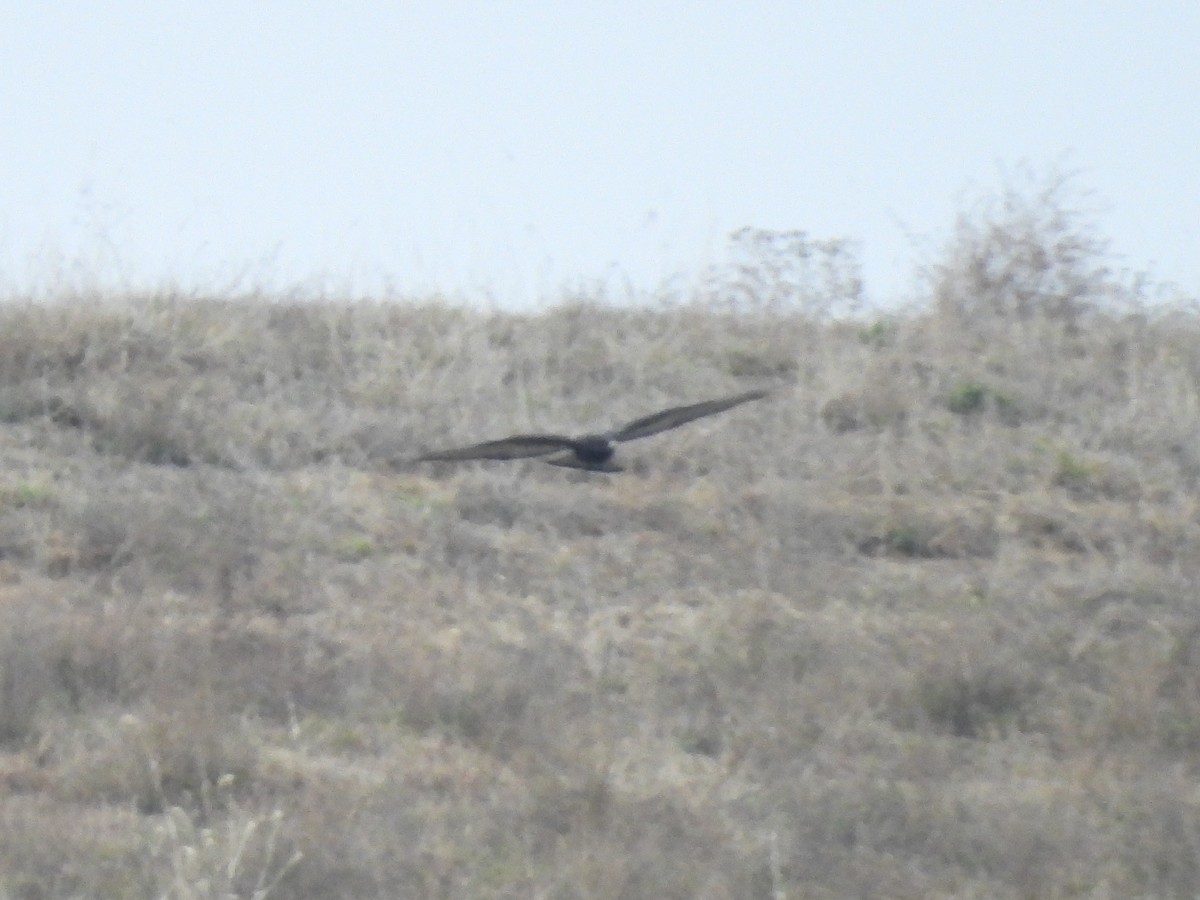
pixel 924 623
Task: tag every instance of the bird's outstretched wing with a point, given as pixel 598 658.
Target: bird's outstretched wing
pixel 680 415
pixel 520 446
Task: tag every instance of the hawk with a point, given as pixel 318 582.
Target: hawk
pixel 593 452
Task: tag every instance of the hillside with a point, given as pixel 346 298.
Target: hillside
pixel 922 623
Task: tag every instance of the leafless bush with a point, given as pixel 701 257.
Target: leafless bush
pixel 786 272
pixel 1032 253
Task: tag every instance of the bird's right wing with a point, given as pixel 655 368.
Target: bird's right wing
pixel 520 446
pixel 680 415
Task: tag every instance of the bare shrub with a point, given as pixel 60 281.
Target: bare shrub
pixel 1034 252
pixel 787 272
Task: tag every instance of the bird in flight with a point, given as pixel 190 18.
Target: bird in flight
pixel 593 452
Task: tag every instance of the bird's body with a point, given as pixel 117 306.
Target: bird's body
pixel 593 452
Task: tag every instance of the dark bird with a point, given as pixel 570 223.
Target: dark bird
pixel 591 451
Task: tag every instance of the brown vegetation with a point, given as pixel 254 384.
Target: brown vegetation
pixel 924 623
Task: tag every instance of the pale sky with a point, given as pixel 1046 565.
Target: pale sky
pixel 499 150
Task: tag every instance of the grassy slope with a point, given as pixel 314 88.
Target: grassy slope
pixel 923 623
